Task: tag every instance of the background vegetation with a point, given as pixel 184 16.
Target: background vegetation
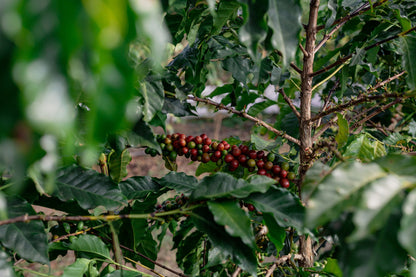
pixel 85 82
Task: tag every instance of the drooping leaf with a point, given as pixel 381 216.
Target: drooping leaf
pixel 332 267
pixel 78 268
pixel 153 96
pixel 189 253
pixel 262 144
pixel 88 188
pixel 377 255
pixel 6 269
pixel 241 254
pixel 142 135
pixel 225 10
pixel 378 200
pixel 408 47
pixel 276 234
pixel 123 273
pixel 138 187
pixel 92 245
pixel 365 149
pixel 283 13
pixel 235 221
pixel 339 190
pixel 222 184
pixel 117 163
pixel 343 131
pixel 180 182
pixel 284 206
pixel 28 239
pixel 408 224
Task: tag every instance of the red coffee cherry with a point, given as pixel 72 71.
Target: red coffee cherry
pixel 236 152
pixel 261 171
pixel 283 173
pixel 228 158
pixel 284 183
pixel 260 163
pixel 276 169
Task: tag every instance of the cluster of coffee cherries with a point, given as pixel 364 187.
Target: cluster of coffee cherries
pixel 201 148
pixel 172 204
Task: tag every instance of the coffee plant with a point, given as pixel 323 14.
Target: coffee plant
pixel 324 187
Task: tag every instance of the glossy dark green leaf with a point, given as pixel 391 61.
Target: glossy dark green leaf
pixel 238 66
pixel 365 148
pixel 177 107
pixel 90 244
pixel 89 188
pixel 28 239
pixel 378 200
pixel 407 230
pixel 267 145
pixel 225 10
pixel 208 167
pixel 142 135
pixel 153 97
pixel 117 164
pixel 276 234
pixel 408 47
pixel 284 206
pixel 260 107
pixel 180 182
pixel 123 273
pixel 377 255
pixel 343 131
pixel 284 13
pixel 189 253
pixel 138 187
pixel 235 221
pixel 78 268
pixel 241 254
pixel 339 190
pixel 222 184
pixel 6 269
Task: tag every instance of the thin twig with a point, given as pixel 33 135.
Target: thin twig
pixel 294 66
pixel 362 99
pixel 289 102
pixel 236 272
pixel 349 56
pixel 245 115
pixel 376 112
pixel 325 127
pixel 326 102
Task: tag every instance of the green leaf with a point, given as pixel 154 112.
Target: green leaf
pixel 332 267
pixel 261 144
pixel 138 187
pixel 234 219
pixel 338 191
pixel 6 269
pixel 241 254
pixel 142 135
pixel 255 29
pixel 123 273
pixel 284 13
pixel 78 268
pixel 222 184
pixel 180 182
pixel 89 188
pixel 378 200
pixel 215 257
pixel 408 47
pixel 225 10
pixel 364 149
pixel 313 178
pixel 407 230
pixel 260 107
pixel 28 239
pixel 276 234
pixel 284 206
pixel 90 244
pixel 377 255
pixel 177 107
pixel 208 167
pixel 117 163
pixel 189 253
pixel 402 165
pixel 3 206
pixel 343 131
pixel 153 96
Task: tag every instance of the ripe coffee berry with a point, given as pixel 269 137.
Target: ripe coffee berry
pixel 203 136
pixel 205 158
pixel 228 158
pixel 217 154
pixel 182 136
pixel 185 150
pixel 284 183
pixel 283 173
pixel 276 169
pixel 261 171
pixel 250 207
pixel 260 154
pixel 268 165
pixel 252 154
pixel 236 152
pixel 242 159
pixel 207 141
pixel 198 140
pixel 260 163
pixel 189 138
pixel 205 148
pixel 220 146
pixel 234 163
